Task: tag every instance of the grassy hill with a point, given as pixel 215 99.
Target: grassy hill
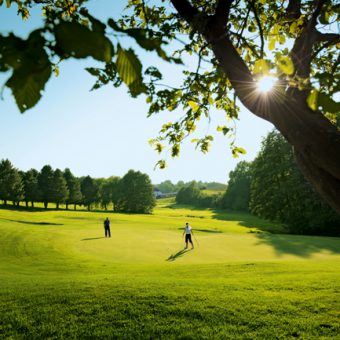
pixel 60 278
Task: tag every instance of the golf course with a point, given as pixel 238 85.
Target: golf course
pixel 245 278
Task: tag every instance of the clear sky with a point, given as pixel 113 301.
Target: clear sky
pixel 106 132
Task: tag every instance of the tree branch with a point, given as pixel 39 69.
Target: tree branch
pixel 185 10
pixel 252 4
pixel 317 12
pixel 293 9
pixel 303 47
pixel 327 44
pixel 331 38
pixel 221 15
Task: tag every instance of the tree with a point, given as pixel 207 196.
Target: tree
pixel 136 193
pixel 237 194
pixel 60 190
pixel 231 40
pixel 89 191
pixel 11 186
pixel 107 189
pixel 73 186
pixel 279 192
pixel 31 187
pixel 166 187
pixel 189 194
pixel 46 184
pixel 116 193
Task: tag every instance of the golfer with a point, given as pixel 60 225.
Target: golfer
pixel 107 227
pixel 188 232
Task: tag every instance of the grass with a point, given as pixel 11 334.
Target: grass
pixel 244 280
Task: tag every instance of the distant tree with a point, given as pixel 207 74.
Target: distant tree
pixel 31 187
pixel 136 193
pixel 216 186
pixel 73 186
pixel 11 186
pixel 89 190
pixel 105 192
pixel 166 187
pixel 116 193
pixel 237 194
pixel 60 190
pixel 189 194
pixel 179 185
pixel 279 191
pixel 46 184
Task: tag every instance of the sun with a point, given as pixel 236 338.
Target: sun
pixel 266 83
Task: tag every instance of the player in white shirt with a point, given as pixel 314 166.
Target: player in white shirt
pixel 188 232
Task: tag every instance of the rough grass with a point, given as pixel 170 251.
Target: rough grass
pixel 61 279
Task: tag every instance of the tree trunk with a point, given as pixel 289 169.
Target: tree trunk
pixel 45 205
pixel 5 202
pixel 316 144
pixel 75 206
pixel 57 204
pixel 26 202
pixel 315 140
pixel 66 206
pixel 32 204
pixel 89 207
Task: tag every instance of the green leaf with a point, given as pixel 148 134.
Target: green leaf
pixel 327 103
pixel 31 67
pixel 223 129
pixel 161 164
pixel 129 69
pixel 93 71
pixel 293 28
pixel 271 44
pixel 236 151
pixel 145 39
pixel 286 65
pixel 194 106
pixel 159 147
pixel 312 99
pixel 27 85
pixel 175 150
pixel 79 41
pixel 261 66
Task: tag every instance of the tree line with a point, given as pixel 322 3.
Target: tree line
pixel 132 193
pixel 169 187
pixel 273 187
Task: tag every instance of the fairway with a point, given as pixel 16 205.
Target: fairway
pixel 61 278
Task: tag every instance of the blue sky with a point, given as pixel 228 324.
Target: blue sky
pixel 106 132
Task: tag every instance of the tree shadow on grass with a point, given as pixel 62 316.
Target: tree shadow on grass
pixel 184 206
pixel 31 222
pixel 250 221
pixel 91 238
pixel 174 257
pixel 303 246
pixel 212 231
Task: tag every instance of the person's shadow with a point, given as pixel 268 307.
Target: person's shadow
pixel 180 253
pixel 92 238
